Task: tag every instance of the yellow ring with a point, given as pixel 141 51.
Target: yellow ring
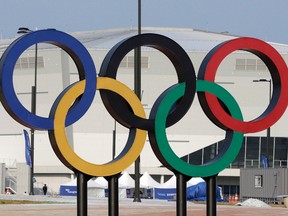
pixel 66 153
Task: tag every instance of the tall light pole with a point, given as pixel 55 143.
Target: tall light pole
pixel 137 87
pixel 24 30
pixel 114 141
pixel 268 129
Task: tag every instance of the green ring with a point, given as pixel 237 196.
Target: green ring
pixel 220 162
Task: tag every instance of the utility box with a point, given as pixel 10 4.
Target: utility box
pixel 2 177
pixel 23 180
pixel 266 184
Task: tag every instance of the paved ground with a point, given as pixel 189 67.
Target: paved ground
pixel 98 207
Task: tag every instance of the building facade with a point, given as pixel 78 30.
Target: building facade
pixel 269 185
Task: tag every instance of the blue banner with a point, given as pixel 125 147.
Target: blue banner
pixel 27 148
pixel 165 193
pixel 264 161
pixel 68 190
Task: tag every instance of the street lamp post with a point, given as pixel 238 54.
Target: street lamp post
pixel 114 141
pixel 137 87
pixel 24 30
pixel 268 135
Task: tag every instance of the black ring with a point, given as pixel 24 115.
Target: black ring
pixel 119 108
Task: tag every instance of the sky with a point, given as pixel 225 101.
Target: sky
pixel 263 19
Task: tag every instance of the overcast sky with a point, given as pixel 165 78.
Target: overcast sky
pixel 264 19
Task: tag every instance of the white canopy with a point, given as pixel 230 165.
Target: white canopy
pixel 94 189
pixel 102 181
pixel 194 181
pixel 171 183
pixel 70 183
pixel 146 181
pixel 91 184
pixel 126 181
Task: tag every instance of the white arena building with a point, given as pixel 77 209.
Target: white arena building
pixel 195 138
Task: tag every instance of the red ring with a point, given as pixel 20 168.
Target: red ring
pixel 279 100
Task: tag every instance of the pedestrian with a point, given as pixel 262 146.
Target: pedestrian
pixel 44 189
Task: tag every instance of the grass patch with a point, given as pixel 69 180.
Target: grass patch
pixel 20 202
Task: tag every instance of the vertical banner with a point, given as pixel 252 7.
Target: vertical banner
pixel 27 148
pixel 264 161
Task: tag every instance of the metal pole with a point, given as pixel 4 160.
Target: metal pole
pixel 82 204
pixel 33 110
pixel 113 195
pixel 24 30
pixel 114 141
pixel 211 196
pixel 181 202
pixel 35 75
pixel 137 87
pixel 268 129
pixel 33 101
pixel 268 135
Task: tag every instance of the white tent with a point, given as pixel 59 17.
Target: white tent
pixel 126 181
pixel 171 183
pixel 194 181
pixel 71 183
pixel 94 184
pixel 146 181
pixel 93 188
pixel 68 188
pixel 168 189
pixel 102 181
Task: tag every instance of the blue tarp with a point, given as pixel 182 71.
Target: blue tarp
pixel 198 192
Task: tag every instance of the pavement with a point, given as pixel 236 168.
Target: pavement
pixel 61 206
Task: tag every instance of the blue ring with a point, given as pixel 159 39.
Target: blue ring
pixel 78 53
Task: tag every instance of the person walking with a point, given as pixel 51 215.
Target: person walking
pixel 44 189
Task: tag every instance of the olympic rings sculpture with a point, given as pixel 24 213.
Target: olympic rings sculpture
pixel 125 107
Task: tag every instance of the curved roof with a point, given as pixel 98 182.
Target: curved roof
pixel 190 39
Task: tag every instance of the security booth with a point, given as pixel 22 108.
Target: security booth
pixel 267 184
